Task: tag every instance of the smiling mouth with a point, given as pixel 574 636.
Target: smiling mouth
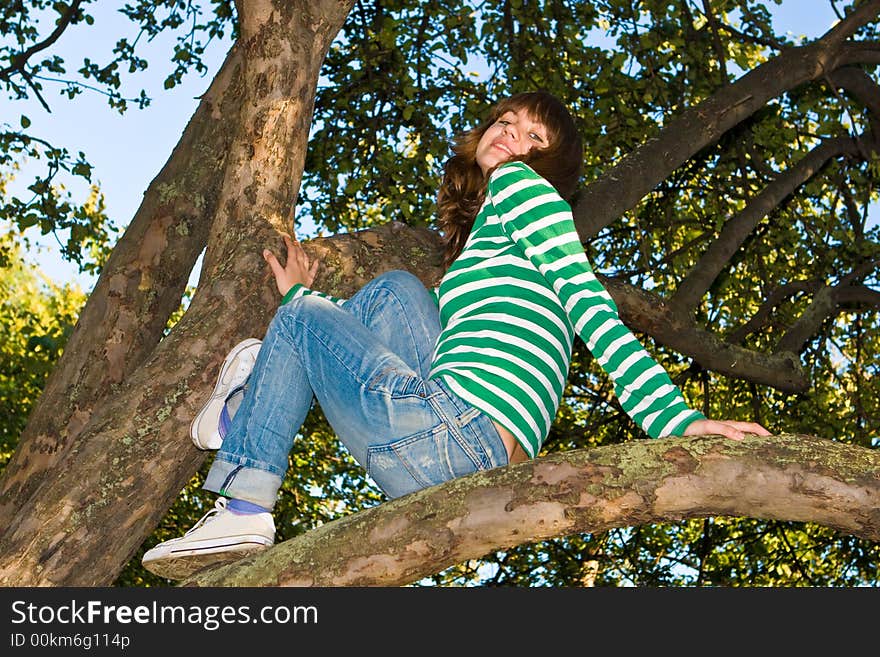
pixel 502 147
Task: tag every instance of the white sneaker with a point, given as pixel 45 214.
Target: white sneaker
pixel 219 536
pixel 208 428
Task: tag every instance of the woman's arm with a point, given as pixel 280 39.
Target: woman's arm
pixel 536 218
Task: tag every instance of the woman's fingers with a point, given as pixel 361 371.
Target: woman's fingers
pixel 753 427
pixel 728 428
pixel 291 246
pixel 722 429
pixel 313 270
pixel 279 272
pixel 274 265
pixel 748 427
pixel 297 268
pixel 295 251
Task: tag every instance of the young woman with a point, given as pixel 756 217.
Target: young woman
pixel 426 386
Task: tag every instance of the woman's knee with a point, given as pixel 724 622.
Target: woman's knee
pixel 399 280
pixel 302 308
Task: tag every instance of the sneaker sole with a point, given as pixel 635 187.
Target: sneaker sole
pixel 204 428
pixel 178 566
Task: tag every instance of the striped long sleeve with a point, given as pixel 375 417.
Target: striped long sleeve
pixel 511 304
pixel 300 290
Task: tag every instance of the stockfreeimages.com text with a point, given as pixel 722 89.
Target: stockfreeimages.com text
pixel 211 617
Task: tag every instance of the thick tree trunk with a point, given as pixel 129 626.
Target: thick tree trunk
pixel 788 477
pixel 139 288
pixel 131 454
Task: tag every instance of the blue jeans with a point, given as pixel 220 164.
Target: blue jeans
pixel 366 363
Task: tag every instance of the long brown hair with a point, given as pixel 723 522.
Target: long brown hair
pixel 463 187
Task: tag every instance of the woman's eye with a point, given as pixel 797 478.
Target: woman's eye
pixel 536 136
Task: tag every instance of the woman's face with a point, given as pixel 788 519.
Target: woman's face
pixel 514 133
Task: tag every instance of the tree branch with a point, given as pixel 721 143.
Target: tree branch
pixel 213 190
pixel 780 294
pixel 860 85
pixel 825 305
pixel 720 54
pixel 736 230
pixel 858 297
pixel 787 477
pixel 857 18
pixel 856 54
pixel 20 60
pixel 606 199
pixel 646 312
pixel 140 286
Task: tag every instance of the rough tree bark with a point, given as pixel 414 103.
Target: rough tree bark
pixel 106 451
pixel 140 286
pixel 75 498
pixel 787 477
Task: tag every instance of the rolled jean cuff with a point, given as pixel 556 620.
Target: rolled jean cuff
pixel 243 482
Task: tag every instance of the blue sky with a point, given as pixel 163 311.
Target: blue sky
pixel 127 151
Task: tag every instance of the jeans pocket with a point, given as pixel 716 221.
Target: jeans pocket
pixel 419 461
pixel 396 382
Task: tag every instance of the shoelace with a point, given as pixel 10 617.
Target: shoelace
pixel 219 505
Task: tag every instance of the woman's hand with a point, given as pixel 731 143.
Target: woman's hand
pixel 295 270
pixel 728 428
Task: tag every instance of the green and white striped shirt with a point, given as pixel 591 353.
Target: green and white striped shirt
pixel 510 306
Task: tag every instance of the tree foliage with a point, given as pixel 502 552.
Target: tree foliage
pixel 29 69
pixel 761 237
pixel 36 316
